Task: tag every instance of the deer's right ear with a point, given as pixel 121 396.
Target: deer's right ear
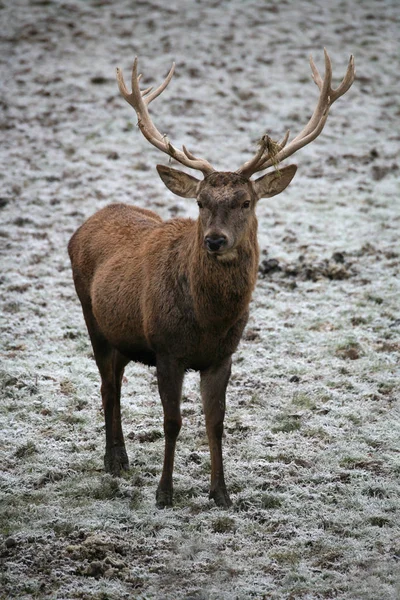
pixel 178 182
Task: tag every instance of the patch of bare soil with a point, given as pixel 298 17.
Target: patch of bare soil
pixel 42 564
pixel 307 268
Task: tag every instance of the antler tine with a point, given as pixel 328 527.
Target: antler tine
pixel 283 143
pixel 146 91
pixel 315 73
pixel 188 154
pixel 135 79
pixel 345 83
pixel 121 84
pixel 328 71
pixel 324 99
pixel 253 165
pixel 140 100
pixel 347 80
pixel 327 97
pixel 161 87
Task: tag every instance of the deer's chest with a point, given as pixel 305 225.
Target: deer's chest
pixel 196 331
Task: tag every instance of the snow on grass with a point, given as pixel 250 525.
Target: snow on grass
pixel 312 427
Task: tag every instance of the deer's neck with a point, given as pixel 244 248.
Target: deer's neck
pixel 222 286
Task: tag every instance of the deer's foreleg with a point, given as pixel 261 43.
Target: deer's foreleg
pixel 213 384
pixel 170 378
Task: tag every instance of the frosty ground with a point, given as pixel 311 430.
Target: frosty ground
pixel 312 427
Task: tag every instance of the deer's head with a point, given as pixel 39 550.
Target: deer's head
pixel 226 202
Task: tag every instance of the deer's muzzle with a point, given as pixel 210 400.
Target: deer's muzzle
pixel 214 243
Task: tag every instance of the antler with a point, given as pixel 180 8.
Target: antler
pixel 140 100
pixel 265 158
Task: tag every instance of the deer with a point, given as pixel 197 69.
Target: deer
pixel 175 294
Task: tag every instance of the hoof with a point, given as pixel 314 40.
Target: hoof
pixel 221 498
pixel 116 460
pixel 163 498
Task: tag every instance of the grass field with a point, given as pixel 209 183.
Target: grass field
pixel 312 430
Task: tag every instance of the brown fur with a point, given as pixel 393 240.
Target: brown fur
pixel 152 291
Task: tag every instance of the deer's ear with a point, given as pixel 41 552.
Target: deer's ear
pixel 178 182
pixel 275 182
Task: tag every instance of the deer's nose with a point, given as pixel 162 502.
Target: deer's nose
pixel 215 242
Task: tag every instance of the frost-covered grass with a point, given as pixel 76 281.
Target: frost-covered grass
pixel 312 428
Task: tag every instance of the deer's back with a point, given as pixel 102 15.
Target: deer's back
pixel 108 234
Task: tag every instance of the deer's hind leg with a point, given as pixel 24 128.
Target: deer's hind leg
pixel 111 364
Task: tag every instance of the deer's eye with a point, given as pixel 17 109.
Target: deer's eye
pixel 246 204
pixel 199 204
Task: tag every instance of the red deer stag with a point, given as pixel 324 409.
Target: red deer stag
pixel 176 294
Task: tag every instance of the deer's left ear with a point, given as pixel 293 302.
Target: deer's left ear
pixel 274 183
